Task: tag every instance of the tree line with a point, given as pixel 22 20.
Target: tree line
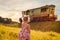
pixel 5 20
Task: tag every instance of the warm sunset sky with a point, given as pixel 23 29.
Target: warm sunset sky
pixel 12 8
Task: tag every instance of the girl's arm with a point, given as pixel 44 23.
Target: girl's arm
pixel 29 28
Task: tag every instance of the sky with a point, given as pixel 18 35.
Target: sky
pixel 12 8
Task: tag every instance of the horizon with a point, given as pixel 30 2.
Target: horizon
pixel 13 8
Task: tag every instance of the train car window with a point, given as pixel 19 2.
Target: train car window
pixel 52 9
pixel 43 9
pixel 27 12
pixel 32 11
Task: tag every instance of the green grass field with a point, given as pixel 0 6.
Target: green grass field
pixel 11 33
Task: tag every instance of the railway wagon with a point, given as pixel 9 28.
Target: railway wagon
pixel 44 13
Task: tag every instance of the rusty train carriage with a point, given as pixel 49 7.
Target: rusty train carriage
pixel 44 13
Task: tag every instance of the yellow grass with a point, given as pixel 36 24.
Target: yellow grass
pixel 11 33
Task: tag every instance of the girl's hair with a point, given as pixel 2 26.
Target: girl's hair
pixel 25 18
pixel 20 20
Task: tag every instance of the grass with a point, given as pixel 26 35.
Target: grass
pixel 8 33
pixel 11 33
pixel 38 35
pixel 46 26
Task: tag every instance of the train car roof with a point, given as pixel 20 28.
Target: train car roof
pixel 46 6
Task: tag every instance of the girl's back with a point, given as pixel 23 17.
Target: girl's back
pixel 25 32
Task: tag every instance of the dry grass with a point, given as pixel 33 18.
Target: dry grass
pixel 11 33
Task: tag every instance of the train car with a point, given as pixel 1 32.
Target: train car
pixel 44 13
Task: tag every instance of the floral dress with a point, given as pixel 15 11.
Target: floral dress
pixel 25 33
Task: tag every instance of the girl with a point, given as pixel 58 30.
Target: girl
pixel 25 30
